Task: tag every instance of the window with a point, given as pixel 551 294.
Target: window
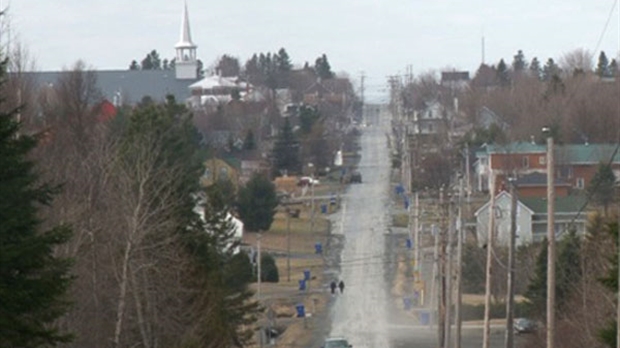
pixel 542 160
pixel 207 173
pixel 580 183
pixel 525 161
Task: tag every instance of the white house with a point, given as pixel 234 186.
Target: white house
pixel 531 218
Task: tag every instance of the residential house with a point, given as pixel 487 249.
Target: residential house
pixel 217 169
pixel 575 164
pixel 455 80
pixel 531 218
pixel 535 185
pixel 487 119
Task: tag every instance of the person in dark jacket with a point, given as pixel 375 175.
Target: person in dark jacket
pixel 332 285
pixel 341 286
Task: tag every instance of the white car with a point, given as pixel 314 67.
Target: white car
pixel 307 181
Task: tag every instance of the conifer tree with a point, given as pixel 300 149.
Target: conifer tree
pixel 33 281
pixel 257 203
pixel 535 68
pixel 602 67
pixel 286 151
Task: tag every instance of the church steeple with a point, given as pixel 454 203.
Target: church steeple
pixel 186 64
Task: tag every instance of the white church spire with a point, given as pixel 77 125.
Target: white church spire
pixel 185 40
pixel 186 64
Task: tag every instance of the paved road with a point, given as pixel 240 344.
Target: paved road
pixel 361 313
pixel 365 313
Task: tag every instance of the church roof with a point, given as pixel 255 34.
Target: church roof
pixel 185 41
pixel 132 85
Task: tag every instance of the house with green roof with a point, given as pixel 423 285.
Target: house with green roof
pixel 532 218
pixel 575 164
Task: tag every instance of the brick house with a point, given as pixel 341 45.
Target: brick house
pixel 575 164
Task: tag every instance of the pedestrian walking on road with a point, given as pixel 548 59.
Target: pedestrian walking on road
pixel 333 286
pixel 341 286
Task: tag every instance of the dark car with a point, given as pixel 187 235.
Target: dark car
pixel 356 177
pixel 523 325
pixel 336 342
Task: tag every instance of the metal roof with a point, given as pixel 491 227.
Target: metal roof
pixel 132 85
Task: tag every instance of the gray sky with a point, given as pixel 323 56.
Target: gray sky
pixel 379 37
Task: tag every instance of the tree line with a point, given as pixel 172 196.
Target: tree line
pixel 107 238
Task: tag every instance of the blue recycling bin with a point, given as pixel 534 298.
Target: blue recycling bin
pixel 323 208
pixel 307 274
pixel 425 318
pixel 301 311
pixel 409 243
pixel 302 284
pixel 407 303
pixel 318 248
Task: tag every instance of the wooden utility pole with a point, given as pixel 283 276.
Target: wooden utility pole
pixel 551 243
pixel 511 265
pixel 416 235
pixel 258 261
pixel 434 297
pixel 288 244
pixel 459 268
pixel 449 260
pixel 489 268
pixel 441 323
pixel 261 336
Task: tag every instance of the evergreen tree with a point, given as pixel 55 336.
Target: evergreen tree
pixel 223 303
pixel 536 293
pixel 502 73
pixel 613 68
pixel 151 61
pixel 602 185
pixel 607 334
pixel 602 67
pixel 249 143
pixel 134 65
pixel 519 64
pixel 257 203
pixel 568 267
pixel 307 117
pixel 286 151
pixel 322 67
pixel 284 61
pixel 33 281
pixel 535 68
pixel 549 70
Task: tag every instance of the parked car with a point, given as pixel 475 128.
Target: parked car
pixel 356 177
pixel 307 181
pixel 336 342
pixel 524 325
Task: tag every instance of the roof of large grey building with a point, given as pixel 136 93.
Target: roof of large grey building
pixel 132 85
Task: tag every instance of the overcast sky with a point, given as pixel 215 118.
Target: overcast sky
pixel 379 37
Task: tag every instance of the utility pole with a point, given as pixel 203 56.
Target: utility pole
pixel 258 294
pixel 467 170
pixel 551 242
pixel 288 244
pixel 362 78
pixel 434 282
pixel 416 234
pixel 258 261
pixel 449 250
pixel 511 265
pixel 441 323
pixel 489 268
pixel 459 268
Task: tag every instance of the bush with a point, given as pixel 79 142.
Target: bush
pixel 269 269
